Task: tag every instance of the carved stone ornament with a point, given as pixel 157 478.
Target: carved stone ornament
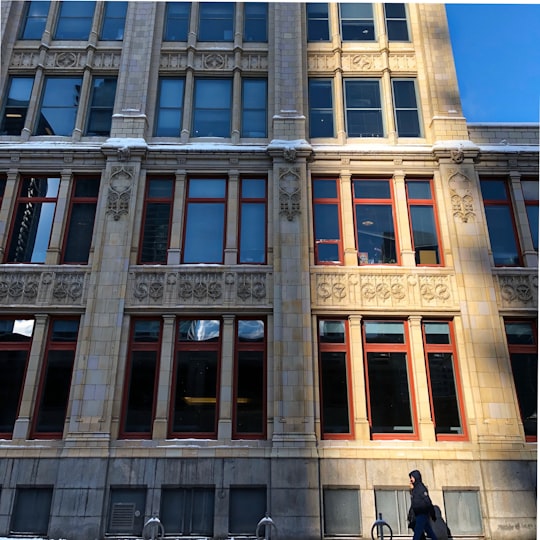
pixel 457 156
pixel 66 59
pixel 461 196
pixel 120 187
pixel 518 290
pixel 289 192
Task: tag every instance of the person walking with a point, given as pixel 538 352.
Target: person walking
pixel 421 507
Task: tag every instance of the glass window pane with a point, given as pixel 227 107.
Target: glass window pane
pixel 114 21
pixel 530 190
pixel 426 244
pixel 204 233
pixel 254 108
pixel 324 189
pixel 59 106
pixel 331 331
pixel 317 21
pixel 31 512
pixel 145 331
pixel 372 189
pixel 341 512
pixel 418 189
pixel 321 108
pixel 13 369
pixel 75 20
pixel 326 218
pixel 384 332
pixel 362 94
pixel 207 188
pixel 494 190
pixel 375 233
pixel 532 214
pixel 525 373
pixel 79 238
pixel 437 333
pixel 188 511
pixel 16 106
pixel 253 188
pixel 101 106
pixel 408 124
pixel 177 21
pixel 155 241
pixel 212 108
pixel 519 333
pixel 502 236
pixel 35 20
pixel 249 414
pixel 216 21
pixel 246 507
pixel 462 510
pixel 251 330
pixel 334 393
pixel 255 21
pixel 253 233
pixel 198 330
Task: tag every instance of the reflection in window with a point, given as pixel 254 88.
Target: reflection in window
pixel 254 99
pixel 317 21
pixel 375 232
pixel 204 232
pixel 33 221
pixel 252 249
pixel 463 515
pixel 328 245
pixel 75 20
pixel 255 21
pixel 530 194
pixel 59 106
pixel 101 106
pixel 169 109
pixel 16 106
pixel 321 108
pixel 406 108
pixel 394 505
pixel 216 21
pixel 176 21
pixel 34 20
pixel 357 22
pixel 212 108
pixel 363 107
pixel 114 20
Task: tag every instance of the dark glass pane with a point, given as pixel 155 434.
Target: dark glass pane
pixel 246 506
pixel 18 98
pixel 169 113
pixel 321 108
pixel 177 21
pixel 250 392
pixel 204 233
pixel 408 124
pixel 195 396
pixel 155 241
pixel 418 189
pixel 254 108
pixel 216 21
pixel 494 190
pixel 375 233
pixel 198 330
pixel 525 371
pixel 364 124
pixel 532 214
pixel 255 21
pixel 253 233
pixel 75 20
pixel 331 331
pixel 326 219
pixel 79 235
pixel 397 30
pixel 501 234
pixel 146 331
pixel 54 399
pixel 443 393
pixel 65 331
pixel 519 333
pixel 101 107
pixel 207 188
pixel 362 94
pixel 389 399
pixel 31 511
pixel 437 333
pixel 59 106
pixel 87 187
pixel 395 11
pixel 324 189
pixel 384 332
pixel 13 369
pixel 335 398
pixel 327 252
pixel 140 405
pixel 317 22
pixel 357 30
pixel 186 511
pixel 371 189
pixel 114 21
pixel 321 123
pixel 426 244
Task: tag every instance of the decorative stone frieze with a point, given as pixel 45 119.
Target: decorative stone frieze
pixel 517 290
pixel 354 62
pixel 61 286
pixel 212 61
pixel 216 286
pixel 24 59
pixel 395 290
pixel 76 59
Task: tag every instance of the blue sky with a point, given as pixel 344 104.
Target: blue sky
pixel 497 56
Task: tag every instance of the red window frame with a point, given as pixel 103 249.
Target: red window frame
pixel 388 348
pixel 156 200
pixel 199 346
pixel 241 226
pixel 240 379
pixel 140 346
pixel 448 348
pixel 430 203
pixel 343 348
pixel 14 345
pixel 364 201
pixel 51 346
pixel 72 227
pixel 333 201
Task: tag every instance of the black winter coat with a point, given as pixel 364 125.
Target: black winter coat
pixel 420 500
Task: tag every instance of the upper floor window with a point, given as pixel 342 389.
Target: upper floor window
pixel 253 218
pixel 521 337
pixel 101 106
pixel 363 107
pixel 32 226
pixel 170 107
pixel 256 21
pixel 424 230
pixel 406 112
pixel 318 28
pixel 212 108
pixel 114 20
pixel 254 99
pixel 34 20
pixel 357 22
pixel 500 222
pixel 326 221
pixel 530 195
pixel 374 218
pixel 75 20
pixel 321 108
pixel 16 105
pixel 176 21
pixel 388 379
pixel 396 22
pixel 216 21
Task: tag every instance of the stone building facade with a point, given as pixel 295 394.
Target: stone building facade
pixel 254 260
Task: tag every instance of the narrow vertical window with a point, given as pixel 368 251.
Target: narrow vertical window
pixel 363 108
pixel 55 383
pixel 406 108
pixel 59 105
pixel 423 222
pixel 32 227
pixel 396 22
pixel 389 396
pixel 357 23
pixel 216 21
pixel 82 213
pixel 156 224
pixel 170 107
pixel 530 194
pixel 443 380
pixel 521 337
pixel 246 504
pixel 188 511
pixel 176 21
pixel 318 28
pixel 394 504
pixel 256 21
pixel 114 20
pixel 75 20
pixel 204 230
pixel 374 216
pixel 32 510
pixel 326 221
pixel 194 402
pixel 321 108
pixel 500 222
pixel 249 417
pixel 254 107
pixel 35 19
pixel 101 106
pixel 15 343
pixel 16 105
pixel 212 107
pixel 140 389
pixel 253 214
pixel 336 409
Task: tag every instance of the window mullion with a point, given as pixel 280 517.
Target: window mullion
pixel 55 242
pixel 231 238
pixel 402 218
pixel 339 107
pixel 174 255
pixel 526 242
pixel 236 106
pixel 34 106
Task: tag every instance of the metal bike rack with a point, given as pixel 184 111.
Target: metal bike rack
pixel 153 529
pixel 379 526
pixel 268 523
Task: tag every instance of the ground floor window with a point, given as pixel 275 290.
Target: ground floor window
pixel 393 505
pixel 187 511
pixel 32 510
pixel 341 509
pixel 247 505
pixel 126 511
pixel 463 515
